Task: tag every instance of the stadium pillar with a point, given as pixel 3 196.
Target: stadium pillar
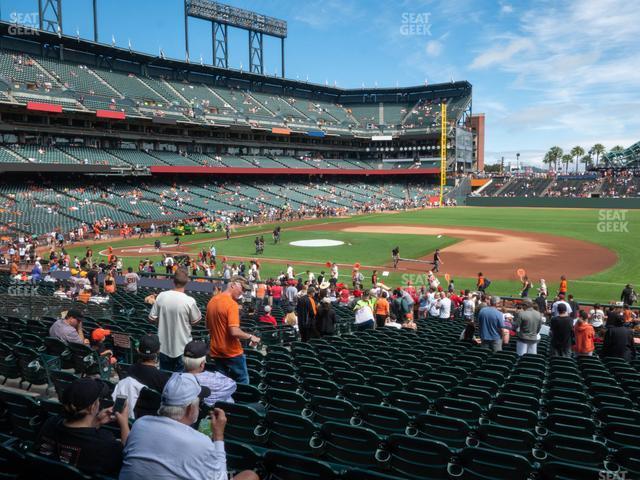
pixel 186 29
pixel 255 52
pixel 282 54
pixel 220 45
pixel 50 15
pixel 95 21
pixel 443 149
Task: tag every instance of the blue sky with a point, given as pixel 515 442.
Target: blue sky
pixel 556 72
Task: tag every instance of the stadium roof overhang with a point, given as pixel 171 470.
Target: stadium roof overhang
pixel 51 40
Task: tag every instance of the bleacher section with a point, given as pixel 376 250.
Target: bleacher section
pixel 525 187
pixel 41 207
pixel 84 87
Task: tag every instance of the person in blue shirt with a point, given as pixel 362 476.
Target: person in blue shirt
pixel 492 327
pixel 165 446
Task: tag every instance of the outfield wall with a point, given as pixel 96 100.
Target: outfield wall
pixel 551 202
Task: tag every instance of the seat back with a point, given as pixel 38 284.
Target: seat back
pixel 418 458
pixel 289 432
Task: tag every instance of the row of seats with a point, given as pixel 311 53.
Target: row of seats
pixel 95 88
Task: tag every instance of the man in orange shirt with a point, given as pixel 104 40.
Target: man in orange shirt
pixel 382 310
pixel 563 285
pixel 223 323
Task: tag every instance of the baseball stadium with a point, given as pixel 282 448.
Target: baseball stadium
pixel 210 272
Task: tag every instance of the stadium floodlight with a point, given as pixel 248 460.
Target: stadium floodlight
pixel 222 16
pixel 237 17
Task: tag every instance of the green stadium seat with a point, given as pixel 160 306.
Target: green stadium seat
pixel 351 446
pixel 418 458
pixel 480 463
pixel 290 432
pixel 287 466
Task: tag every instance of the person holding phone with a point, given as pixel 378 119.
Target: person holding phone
pixel 165 446
pixel 76 437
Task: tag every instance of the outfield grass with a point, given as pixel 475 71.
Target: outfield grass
pixel 374 249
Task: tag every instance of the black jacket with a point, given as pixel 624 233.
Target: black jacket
pixel 618 342
pixel 627 296
pixel 304 311
pixel 326 320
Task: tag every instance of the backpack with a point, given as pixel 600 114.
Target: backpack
pixel 487 282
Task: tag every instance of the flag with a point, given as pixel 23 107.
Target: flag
pixel 113 40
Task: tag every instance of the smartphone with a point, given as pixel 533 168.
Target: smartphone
pixel 121 400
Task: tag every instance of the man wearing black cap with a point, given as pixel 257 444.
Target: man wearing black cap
pixel 69 328
pixel 76 438
pixel 143 373
pixel 165 446
pixel 145 370
pixel 221 386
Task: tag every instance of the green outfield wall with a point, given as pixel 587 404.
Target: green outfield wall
pixel 550 202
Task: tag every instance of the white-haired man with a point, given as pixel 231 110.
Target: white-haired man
pixel 221 386
pixel 165 446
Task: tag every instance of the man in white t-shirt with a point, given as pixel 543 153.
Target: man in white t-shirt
pixel 445 306
pixel 434 307
pixel 468 307
pixel 174 312
pixel 596 316
pixel 168 263
pixel 131 280
pixel 554 307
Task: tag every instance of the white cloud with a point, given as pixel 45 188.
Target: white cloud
pixel 501 53
pixel 572 66
pixel 434 48
pixel 506 9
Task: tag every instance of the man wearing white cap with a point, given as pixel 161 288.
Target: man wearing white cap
pixel 167 447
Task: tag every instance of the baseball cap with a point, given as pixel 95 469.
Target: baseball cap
pixel 99 334
pixel 75 313
pixel 267 309
pixel 196 349
pixel 182 389
pixel 149 344
pixel 82 393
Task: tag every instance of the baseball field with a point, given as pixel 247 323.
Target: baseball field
pixel 597 250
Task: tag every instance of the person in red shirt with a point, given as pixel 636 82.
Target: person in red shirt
pixel 276 294
pixel 267 317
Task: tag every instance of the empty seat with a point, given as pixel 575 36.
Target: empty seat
pixel 383 420
pixel 351 445
pixel 290 432
pixel 287 466
pixel 418 458
pixel 451 431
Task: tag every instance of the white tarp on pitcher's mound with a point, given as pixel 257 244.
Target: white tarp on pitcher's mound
pixel 321 242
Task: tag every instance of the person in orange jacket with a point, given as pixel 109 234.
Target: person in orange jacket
pixel 564 287
pixel 584 335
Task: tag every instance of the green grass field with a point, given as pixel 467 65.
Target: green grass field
pixel 374 249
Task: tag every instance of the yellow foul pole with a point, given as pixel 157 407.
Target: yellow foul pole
pixel 443 149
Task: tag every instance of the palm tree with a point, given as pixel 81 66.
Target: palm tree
pixel 577 152
pixel 555 154
pixel 617 149
pixel 587 161
pixel 598 150
pixel 566 160
pixel 547 160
